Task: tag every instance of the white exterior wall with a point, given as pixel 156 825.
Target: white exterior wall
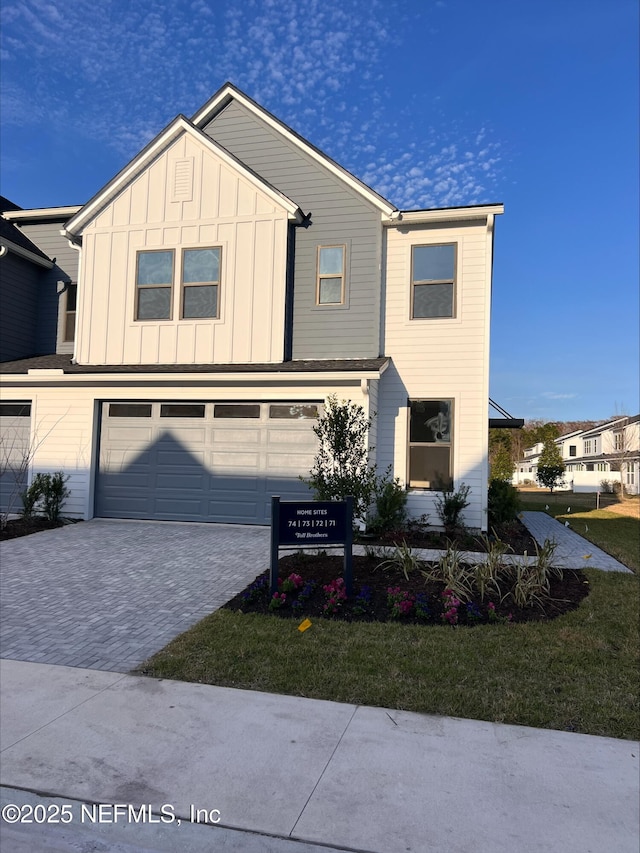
pixel 439 359
pixel 65 420
pixel 226 210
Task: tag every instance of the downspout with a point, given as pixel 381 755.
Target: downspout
pixel 288 292
pixel 305 222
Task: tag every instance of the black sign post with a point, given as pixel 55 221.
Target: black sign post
pixel 304 523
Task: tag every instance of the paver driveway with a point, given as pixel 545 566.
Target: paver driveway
pixel 108 594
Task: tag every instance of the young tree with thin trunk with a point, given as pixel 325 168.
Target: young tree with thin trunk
pixel 550 465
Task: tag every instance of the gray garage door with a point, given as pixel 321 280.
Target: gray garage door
pixel 15 439
pixel 203 461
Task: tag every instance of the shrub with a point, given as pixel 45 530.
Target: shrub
pixel 47 491
pixel 450 505
pixel 504 503
pixel 391 504
pixel 340 467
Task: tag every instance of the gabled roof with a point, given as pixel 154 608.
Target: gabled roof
pixel 162 141
pixel 614 423
pixel 229 92
pixel 13 240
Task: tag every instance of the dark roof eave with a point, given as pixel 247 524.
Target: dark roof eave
pixel 506 423
pixel 63 362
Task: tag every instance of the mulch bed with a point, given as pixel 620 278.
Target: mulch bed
pixel 566 594
pixel 16 527
pixel 513 533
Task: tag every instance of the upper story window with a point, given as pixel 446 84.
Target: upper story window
pixel 431 444
pixel 589 446
pixel 618 441
pixel 70 313
pixel 572 449
pixel 154 285
pixel 200 283
pixel 330 275
pixel 433 281
pixel 199 277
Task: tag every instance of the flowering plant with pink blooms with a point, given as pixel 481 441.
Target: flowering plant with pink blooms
pixel 279 599
pixel 292 583
pixel 336 596
pixel 400 603
pixel 450 606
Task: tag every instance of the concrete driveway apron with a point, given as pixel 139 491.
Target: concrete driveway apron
pixel 108 594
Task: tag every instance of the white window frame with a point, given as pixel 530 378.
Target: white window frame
pixel 216 284
pixel 417 484
pixel 427 282
pixel 168 285
pixel 341 276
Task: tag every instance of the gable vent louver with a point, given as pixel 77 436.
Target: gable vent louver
pixel 183 179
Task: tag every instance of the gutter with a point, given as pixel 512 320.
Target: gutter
pixel 8 246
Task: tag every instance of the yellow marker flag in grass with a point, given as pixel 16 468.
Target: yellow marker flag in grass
pixel 304 625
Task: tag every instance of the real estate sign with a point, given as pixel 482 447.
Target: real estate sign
pixel 307 523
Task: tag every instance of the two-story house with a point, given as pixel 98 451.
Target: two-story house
pixel 609 452
pixel 203 305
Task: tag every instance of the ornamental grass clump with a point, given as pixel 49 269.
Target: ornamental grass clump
pixel 486 574
pixel 402 559
pixel 453 573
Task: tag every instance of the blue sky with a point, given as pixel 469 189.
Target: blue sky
pixel 434 104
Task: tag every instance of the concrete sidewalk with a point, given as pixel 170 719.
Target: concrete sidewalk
pixel 572 551
pixel 322 773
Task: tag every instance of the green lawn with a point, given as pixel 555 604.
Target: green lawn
pixel 618 535
pixel 577 673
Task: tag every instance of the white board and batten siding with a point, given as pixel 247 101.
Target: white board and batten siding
pixel 439 359
pixel 223 209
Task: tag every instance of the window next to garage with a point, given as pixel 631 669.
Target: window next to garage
pixel 430 444
pixel 433 281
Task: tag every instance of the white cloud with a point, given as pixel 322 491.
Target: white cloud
pixel 116 73
pixel 553 395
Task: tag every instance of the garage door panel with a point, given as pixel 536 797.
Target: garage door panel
pixel 179 459
pixel 140 436
pixel 288 462
pixel 235 460
pixel 234 485
pixel 177 508
pixel 291 437
pixel 181 480
pixel 170 468
pixel 238 513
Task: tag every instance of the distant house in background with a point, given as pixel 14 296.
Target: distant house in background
pixel 609 452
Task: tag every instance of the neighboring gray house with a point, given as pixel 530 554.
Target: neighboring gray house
pixel 216 291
